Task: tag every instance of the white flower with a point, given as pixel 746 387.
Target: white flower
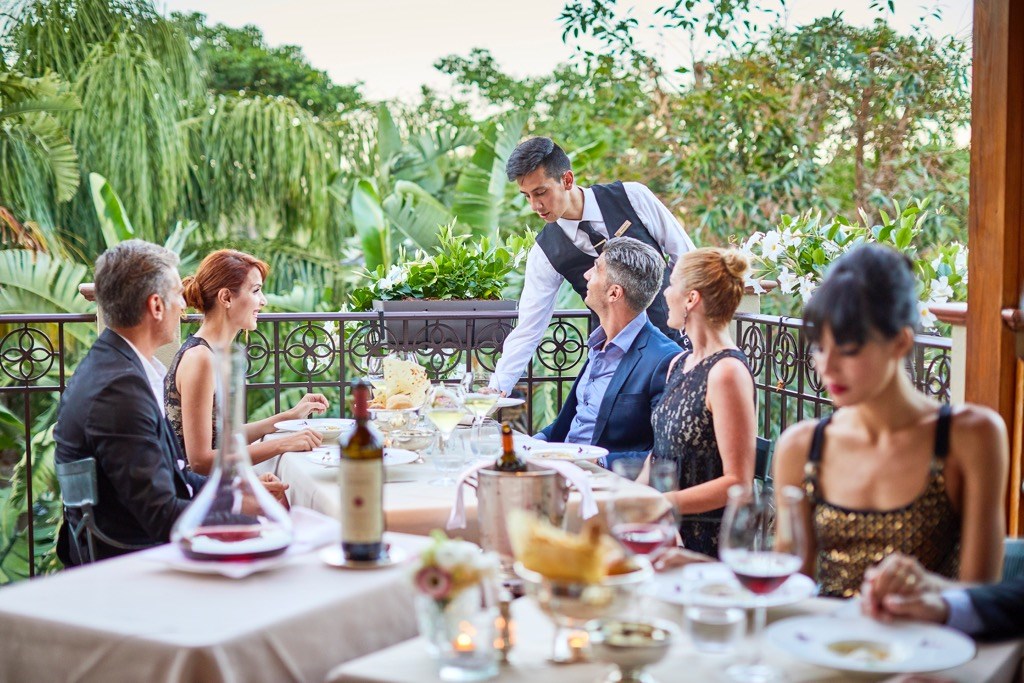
pixel 447 556
pixel 928 318
pixel 830 247
pixel 807 287
pixel 787 281
pixel 960 263
pixel 940 291
pixel 754 283
pixel 385 284
pixel 397 275
pixel 790 239
pixel 771 245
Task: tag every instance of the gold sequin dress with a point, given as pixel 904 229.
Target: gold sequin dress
pixel 850 541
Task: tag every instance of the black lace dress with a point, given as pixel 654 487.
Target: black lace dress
pixel 172 397
pixel 684 432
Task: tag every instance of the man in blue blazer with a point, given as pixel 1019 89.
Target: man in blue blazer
pixel 622 381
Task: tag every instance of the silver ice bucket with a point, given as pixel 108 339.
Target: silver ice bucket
pixel 543 492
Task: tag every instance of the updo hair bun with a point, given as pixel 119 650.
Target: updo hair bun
pixel 736 264
pixel 870 291
pixel 192 293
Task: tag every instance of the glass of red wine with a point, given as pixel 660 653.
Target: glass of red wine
pixel 642 528
pixel 762 541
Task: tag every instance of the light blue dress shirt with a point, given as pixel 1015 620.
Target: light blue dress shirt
pixel 604 361
pixel 962 615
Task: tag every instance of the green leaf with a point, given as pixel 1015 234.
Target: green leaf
pixel 368 217
pixel 114 222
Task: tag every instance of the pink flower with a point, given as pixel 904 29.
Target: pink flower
pixel 434 582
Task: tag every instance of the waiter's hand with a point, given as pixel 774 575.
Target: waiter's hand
pixel 492 390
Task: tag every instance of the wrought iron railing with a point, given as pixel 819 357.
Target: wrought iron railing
pixel 326 351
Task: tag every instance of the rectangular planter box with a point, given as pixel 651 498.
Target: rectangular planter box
pixel 455 333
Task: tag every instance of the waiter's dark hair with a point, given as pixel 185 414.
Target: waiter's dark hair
pixel 869 291
pixel 530 155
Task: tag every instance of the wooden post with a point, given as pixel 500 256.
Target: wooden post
pixel 996 260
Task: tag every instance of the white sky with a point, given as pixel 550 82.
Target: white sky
pixel 391 45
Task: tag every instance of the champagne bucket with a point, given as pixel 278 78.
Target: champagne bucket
pixel 543 492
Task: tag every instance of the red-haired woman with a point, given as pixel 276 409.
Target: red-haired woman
pixel 228 290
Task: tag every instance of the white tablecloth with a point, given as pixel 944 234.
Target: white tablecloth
pixel 408 662
pixel 132 619
pixel 413 506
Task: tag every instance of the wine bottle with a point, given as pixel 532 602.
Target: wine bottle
pixel 361 478
pixel 509 460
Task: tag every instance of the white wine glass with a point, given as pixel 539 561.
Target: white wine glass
pixel 444 408
pixel 763 542
pixel 478 401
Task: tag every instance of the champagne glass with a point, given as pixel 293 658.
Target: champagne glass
pixel 763 542
pixel 445 409
pixel 375 369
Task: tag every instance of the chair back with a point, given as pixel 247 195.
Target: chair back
pixel 763 460
pixel 77 481
pixel 1013 558
pixel 79 490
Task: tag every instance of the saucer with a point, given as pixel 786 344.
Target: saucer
pixel 333 557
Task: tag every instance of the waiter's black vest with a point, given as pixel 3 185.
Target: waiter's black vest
pixel 571 263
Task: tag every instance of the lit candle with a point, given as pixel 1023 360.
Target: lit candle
pixel 463 642
pixel 578 640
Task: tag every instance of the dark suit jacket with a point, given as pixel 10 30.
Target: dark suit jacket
pixel 624 420
pixel 1001 608
pixel 108 412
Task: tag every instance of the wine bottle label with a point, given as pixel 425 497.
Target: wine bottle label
pixel 362 500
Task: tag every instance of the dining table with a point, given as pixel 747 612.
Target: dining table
pixel 409 662
pixel 146 616
pixel 414 505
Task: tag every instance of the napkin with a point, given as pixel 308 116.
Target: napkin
pixel 576 476
pixel 310 528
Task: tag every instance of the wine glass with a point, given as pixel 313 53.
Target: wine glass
pixel 445 409
pixel 763 542
pixel 375 369
pixel 478 401
pixel 639 526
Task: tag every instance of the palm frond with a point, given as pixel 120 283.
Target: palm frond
pixel 32 281
pixel 263 160
pixel 480 191
pixel 128 131
pixel 415 214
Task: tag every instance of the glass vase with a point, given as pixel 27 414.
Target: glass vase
pixel 233 518
pixel 460 634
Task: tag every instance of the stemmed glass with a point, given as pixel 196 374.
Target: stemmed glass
pixel 632 520
pixel 477 401
pixel 763 542
pixel 445 409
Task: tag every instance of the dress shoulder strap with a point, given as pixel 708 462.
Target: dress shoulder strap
pixel 818 440
pixel 942 429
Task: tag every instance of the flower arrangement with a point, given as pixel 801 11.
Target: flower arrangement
pixel 461 267
pixel 450 566
pixel 798 253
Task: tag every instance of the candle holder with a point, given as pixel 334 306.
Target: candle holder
pixel 461 635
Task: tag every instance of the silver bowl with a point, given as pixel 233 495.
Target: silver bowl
pixel 631 646
pixel 413 439
pixel 572 605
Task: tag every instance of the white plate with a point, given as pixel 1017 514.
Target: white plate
pixel 315 423
pixel 571 452
pixel 905 647
pixel 714 584
pixel 331 457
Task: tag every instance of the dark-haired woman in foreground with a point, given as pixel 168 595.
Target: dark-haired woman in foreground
pixel 891 470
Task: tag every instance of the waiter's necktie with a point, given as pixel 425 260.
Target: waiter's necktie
pixel 596 238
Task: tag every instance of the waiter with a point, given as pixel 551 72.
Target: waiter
pixel 579 220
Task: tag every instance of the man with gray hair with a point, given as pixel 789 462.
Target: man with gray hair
pixel 611 403
pixel 113 407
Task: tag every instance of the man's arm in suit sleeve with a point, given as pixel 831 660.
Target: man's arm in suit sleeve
pixel 127 446
pixel 659 221
pixel 536 305
pixel 1000 607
